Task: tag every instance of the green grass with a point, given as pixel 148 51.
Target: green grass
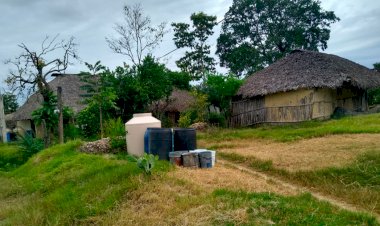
pixel 62 186
pixel 357 183
pixel 347 125
pixel 10 156
pixel 271 209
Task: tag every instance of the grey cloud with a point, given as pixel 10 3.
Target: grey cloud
pixel 355 37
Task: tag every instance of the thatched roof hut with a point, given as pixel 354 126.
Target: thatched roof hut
pixel 179 101
pixel 307 69
pixel 301 86
pixel 71 96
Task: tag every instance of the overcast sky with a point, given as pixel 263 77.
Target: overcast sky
pixel 356 37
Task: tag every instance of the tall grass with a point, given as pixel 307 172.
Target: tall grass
pixel 271 209
pixel 346 125
pixel 10 156
pixel 62 186
pixel 357 183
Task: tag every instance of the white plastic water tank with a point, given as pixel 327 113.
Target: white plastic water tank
pixel 136 128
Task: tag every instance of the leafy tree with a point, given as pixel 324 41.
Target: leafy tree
pixel 32 69
pixel 180 80
pixel 374 94
pixel 138 87
pixel 99 92
pixel 136 37
pixel 256 33
pixel 10 103
pixel 153 81
pixel 376 66
pixel 197 61
pixel 220 89
pixel 47 117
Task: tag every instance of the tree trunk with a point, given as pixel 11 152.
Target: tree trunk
pixel 46 134
pixel 60 108
pixel 101 121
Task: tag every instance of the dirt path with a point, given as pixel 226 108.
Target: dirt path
pixel 319 196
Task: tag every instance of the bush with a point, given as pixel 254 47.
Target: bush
pixel 71 132
pixel 114 128
pixel 216 119
pixel 118 144
pixel 88 121
pixel 184 120
pixel 30 146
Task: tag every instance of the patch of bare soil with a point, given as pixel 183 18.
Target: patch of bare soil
pixel 308 154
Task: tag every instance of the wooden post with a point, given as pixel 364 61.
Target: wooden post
pixel 2 121
pixel 60 108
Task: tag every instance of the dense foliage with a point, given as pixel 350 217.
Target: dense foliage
pixel 46 115
pixel 196 61
pixel 256 33
pixel 10 103
pixel 374 94
pixel 220 89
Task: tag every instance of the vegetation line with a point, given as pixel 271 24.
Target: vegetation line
pixel 317 195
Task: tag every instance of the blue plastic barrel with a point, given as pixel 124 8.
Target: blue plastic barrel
pixel 158 141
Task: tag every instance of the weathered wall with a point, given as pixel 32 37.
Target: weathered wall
pixel 352 99
pixel 39 131
pixel 292 106
pixel 297 106
pixel 324 103
pixel 23 126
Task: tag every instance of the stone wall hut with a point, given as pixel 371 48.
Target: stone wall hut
pixel 302 86
pixel 71 97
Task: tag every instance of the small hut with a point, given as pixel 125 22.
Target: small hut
pixel 179 101
pixel 302 86
pixel 71 97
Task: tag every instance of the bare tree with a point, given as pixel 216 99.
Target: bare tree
pixel 136 37
pixel 31 71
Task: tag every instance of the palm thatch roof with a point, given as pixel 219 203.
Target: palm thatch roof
pixel 178 101
pixel 71 96
pixel 307 69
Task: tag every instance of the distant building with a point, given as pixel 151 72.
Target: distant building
pixel 71 97
pixel 302 86
pixel 171 107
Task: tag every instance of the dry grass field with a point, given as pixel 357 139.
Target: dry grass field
pixel 305 154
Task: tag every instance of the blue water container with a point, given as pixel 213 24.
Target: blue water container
pixel 158 141
pixel 185 139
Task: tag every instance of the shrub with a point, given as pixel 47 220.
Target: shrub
pixel 88 121
pixel 114 128
pixel 118 144
pixel 216 119
pixel 30 146
pixel 71 132
pixel 184 120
